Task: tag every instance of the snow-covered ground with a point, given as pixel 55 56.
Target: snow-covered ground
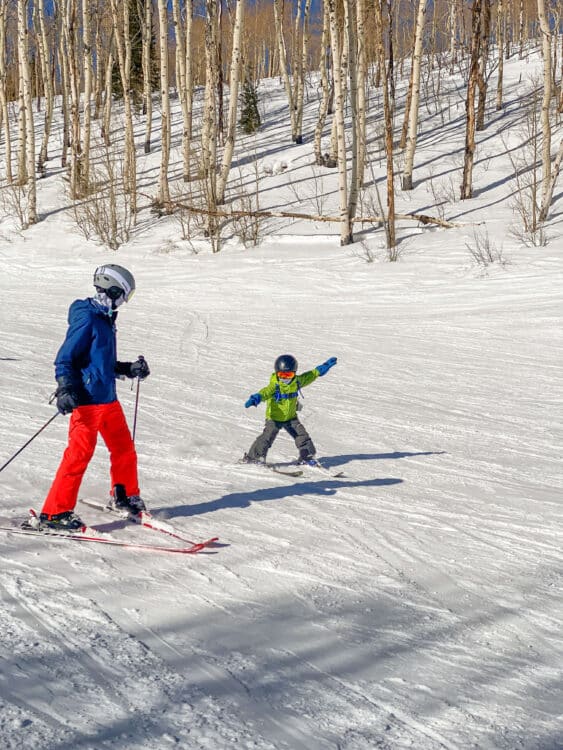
pixel 414 603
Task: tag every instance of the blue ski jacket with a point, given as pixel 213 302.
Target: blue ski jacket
pixel 88 355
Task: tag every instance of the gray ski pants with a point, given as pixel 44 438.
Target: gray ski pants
pixel 264 442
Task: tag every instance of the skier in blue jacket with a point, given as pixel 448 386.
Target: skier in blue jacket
pixel 86 368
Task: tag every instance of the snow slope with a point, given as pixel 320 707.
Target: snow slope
pixel 415 602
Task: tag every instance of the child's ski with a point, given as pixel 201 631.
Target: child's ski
pixel 276 468
pixel 282 470
pixel 317 465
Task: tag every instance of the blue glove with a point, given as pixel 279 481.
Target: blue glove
pixel 325 367
pixel 254 400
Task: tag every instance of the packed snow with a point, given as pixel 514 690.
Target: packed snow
pixel 415 602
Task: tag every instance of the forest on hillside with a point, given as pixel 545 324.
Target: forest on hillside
pixel 115 72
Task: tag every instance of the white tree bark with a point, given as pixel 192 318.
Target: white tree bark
pixel 546 126
pixel 467 184
pixel 339 102
pixel 163 185
pixel 44 52
pixel 501 35
pixel 415 96
pixel 106 119
pixel 22 127
pixel 234 79
pixel 452 23
pixel 4 116
pixel 209 125
pixel 300 87
pixel 546 201
pixel 181 80
pixel 189 12
pixel 25 77
pixel 146 32
pixel 88 71
pixel 320 159
pixel 361 65
pixel 284 73
pixel 120 15
pixel 350 28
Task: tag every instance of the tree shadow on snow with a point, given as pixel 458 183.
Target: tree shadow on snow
pixel 245 499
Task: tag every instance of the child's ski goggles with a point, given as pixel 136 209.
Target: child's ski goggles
pixel 286 375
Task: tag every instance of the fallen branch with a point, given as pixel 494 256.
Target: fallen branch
pixel 422 218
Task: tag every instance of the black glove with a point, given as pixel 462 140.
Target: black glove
pixel 139 369
pixel 67 398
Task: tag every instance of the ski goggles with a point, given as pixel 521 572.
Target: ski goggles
pixel 114 292
pixel 286 375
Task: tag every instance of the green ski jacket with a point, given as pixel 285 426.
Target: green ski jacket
pixel 282 397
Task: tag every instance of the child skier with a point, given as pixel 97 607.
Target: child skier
pixel 86 368
pixel 281 410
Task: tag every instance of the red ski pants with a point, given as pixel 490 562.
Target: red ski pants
pixel 85 424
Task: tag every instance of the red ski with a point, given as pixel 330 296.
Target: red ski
pixel 88 534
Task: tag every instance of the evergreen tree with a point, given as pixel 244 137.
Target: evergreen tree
pixel 249 116
pixel 136 21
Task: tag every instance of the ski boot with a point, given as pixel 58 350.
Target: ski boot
pixel 119 501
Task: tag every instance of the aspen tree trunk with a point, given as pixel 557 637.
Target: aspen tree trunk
pixel 546 126
pixel 350 28
pixel 3 99
pixel 320 159
pixel 303 63
pixel 391 55
pixel 99 76
pixel 388 118
pixel 346 236
pixel 484 59
pixel 43 45
pixel 521 29
pixel 25 76
pixel 122 37
pixel 546 200
pixel 181 78
pixel 77 187
pixel 467 184
pixel 22 128
pixel 234 79
pixel 278 20
pixel 342 57
pixel 163 185
pixel 219 67
pixel 106 121
pixel 88 58
pixel 414 100
pixel 362 81
pixel 561 79
pixel 146 34
pixel 189 12
pixel 501 38
pixel 65 94
pixel 209 125
pixel 452 22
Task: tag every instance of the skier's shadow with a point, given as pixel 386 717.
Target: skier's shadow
pixel 332 461
pixel 245 499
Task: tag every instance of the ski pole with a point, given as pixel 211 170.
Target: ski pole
pixel 17 453
pixel 136 408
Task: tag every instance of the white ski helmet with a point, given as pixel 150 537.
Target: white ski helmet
pixel 115 281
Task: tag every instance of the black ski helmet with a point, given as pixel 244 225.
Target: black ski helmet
pixel 285 363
